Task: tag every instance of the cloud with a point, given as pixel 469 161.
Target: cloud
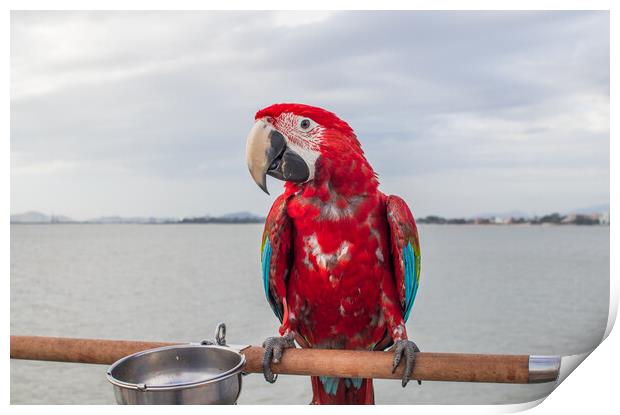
pixel 162 102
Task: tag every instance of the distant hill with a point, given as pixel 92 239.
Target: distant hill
pixel 602 208
pixel 38 217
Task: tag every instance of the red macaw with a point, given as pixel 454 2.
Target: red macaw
pixel 340 259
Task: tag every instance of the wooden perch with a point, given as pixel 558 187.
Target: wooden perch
pixel 451 367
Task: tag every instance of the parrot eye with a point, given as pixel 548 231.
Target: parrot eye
pixel 305 124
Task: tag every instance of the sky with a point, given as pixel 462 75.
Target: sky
pixel 460 113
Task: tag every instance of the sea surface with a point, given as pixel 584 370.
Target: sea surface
pixel 484 289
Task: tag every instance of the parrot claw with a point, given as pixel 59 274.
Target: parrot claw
pixel 274 347
pixel 408 349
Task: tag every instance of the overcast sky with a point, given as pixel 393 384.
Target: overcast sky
pixel 460 113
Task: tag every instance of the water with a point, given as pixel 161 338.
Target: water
pixel 484 289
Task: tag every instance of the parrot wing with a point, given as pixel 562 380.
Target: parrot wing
pixel 405 249
pixel 276 250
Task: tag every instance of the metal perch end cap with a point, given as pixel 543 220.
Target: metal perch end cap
pixel 544 369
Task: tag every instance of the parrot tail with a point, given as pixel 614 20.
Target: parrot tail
pixel 337 391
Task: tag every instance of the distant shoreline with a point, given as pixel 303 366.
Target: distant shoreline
pixel 260 223
pixel 590 219
pixel 223 222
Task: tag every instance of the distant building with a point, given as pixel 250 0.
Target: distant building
pixel 603 218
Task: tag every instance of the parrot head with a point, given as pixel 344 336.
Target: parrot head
pixel 288 141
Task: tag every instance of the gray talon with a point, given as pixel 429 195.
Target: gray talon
pixel 274 347
pixel 406 349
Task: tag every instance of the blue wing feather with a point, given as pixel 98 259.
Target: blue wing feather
pixel 411 278
pixel 405 249
pixel 265 262
pixel 266 265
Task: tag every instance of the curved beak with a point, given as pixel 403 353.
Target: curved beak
pixel 266 153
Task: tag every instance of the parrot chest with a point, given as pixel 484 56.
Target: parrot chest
pixel 334 285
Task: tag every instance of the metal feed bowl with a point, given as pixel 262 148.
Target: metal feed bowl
pixel 190 374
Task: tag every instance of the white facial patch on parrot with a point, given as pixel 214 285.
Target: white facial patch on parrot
pixel 309 156
pixel 304 142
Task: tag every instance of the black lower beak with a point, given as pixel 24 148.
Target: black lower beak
pixel 284 163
